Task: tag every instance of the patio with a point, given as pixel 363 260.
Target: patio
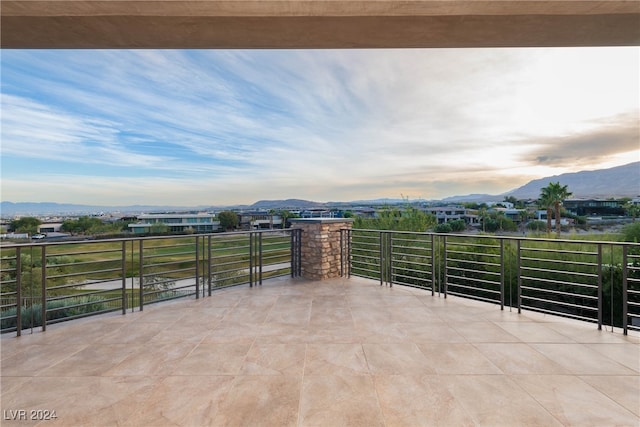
pixel 296 352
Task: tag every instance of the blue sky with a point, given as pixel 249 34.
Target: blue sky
pixel 216 127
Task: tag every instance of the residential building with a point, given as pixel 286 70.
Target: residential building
pixel 203 222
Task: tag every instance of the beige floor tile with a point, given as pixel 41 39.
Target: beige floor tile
pixel 431 332
pixel 624 353
pixel 296 314
pixel 582 360
pixel 213 359
pixel 625 390
pixel 383 333
pixel 261 401
pixel 78 401
pixel 419 401
pixel 135 333
pixel 457 358
pixel 249 315
pixel 339 400
pixel 396 359
pixel 481 331
pixel 574 402
pixel 419 315
pixel 534 332
pixel 181 333
pixel 519 358
pixel 282 332
pixel 274 359
pixel 31 360
pixel 94 360
pixel 333 333
pixel 178 400
pixel 157 360
pixel 496 400
pixel 324 315
pixel 335 359
pixel 587 333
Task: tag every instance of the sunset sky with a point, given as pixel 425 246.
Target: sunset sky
pixel 216 127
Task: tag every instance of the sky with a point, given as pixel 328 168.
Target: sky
pixel 224 127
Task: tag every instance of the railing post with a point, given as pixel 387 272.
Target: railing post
pixel 444 264
pixel 197 267
pixel 296 265
pixel 43 278
pixel 518 274
pixel 433 265
pixel 342 252
pixel 18 291
pixel 600 297
pixel 625 295
pixel 260 260
pixel 209 263
pixel 124 277
pixel 345 247
pixel 381 256
pixel 390 258
pixel 141 276
pixel 502 262
pixel 250 259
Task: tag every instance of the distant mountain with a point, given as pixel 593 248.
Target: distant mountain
pixel 620 181
pixel 475 198
pixel 283 204
pixel 50 208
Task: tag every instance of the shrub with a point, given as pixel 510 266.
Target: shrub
pixel 442 228
pixel 59 309
pixel 631 232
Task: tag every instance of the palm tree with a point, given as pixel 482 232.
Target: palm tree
pixel 545 201
pixel 554 194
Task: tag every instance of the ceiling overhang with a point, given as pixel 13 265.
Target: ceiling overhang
pixel 288 24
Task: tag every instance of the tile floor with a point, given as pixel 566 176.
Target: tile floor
pixel 344 352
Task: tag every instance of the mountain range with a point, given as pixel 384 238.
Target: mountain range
pixel 620 181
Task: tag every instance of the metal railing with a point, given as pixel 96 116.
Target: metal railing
pixel 44 283
pixel 594 281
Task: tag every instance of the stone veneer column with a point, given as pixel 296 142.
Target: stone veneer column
pixel 320 244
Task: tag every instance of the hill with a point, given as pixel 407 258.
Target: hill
pixel 620 181
pixel 284 204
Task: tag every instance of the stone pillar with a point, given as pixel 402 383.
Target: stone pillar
pixel 320 246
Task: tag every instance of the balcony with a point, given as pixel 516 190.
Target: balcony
pixel 408 335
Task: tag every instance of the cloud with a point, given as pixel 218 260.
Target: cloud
pixel 240 125
pixel 591 147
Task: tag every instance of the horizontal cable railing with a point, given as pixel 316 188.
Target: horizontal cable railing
pixel 46 283
pixel 586 280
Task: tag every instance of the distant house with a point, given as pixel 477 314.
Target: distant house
pixel 259 220
pixel 317 213
pixel 595 207
pixel 445 214
pixel 177 223
pixel 49 228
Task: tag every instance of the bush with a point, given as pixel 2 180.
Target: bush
pixel 60 309
pixel 537 226
pixel 458 225
pixel 442 228
pixel 631 232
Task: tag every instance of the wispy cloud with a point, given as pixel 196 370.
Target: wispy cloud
pixel 235 126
